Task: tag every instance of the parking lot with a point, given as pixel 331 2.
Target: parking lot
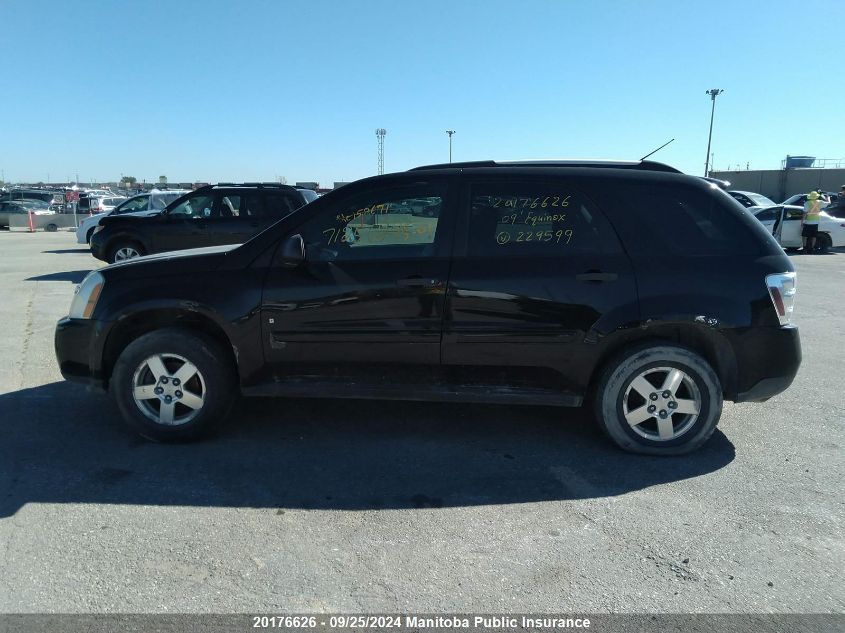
pixel 366 506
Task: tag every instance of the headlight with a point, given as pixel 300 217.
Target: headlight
pixel 86 295
pixel 98 228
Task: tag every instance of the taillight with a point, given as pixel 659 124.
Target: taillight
pixel 782 291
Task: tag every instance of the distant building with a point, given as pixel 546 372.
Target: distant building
pixel 798 174
pixel 339 183
pixel 309 185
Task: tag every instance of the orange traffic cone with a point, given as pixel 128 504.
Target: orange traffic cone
pixel 31 229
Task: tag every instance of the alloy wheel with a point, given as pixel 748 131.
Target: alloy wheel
pixel 661 403
pixel 125 252
pixel 168 389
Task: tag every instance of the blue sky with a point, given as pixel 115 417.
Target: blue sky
pixel 240 90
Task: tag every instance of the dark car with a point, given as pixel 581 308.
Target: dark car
pixel 9 209
pixel 210 216
pixel 646 293
pixel 51 197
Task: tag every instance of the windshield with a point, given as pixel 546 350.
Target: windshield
pixel 760 200
pixel 132 205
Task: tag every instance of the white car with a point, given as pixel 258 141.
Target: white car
pixel 784 222
pixel 145 204
pixel 104 204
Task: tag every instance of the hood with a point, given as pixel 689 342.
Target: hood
pixel 128 217
pixel 188 261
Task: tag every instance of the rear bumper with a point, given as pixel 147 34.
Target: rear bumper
pixel 768 359
pixel 79 345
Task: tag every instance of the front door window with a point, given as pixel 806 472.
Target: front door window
pixel 398 225
pixel 196 207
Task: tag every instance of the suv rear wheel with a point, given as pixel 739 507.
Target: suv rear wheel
pixel 659 399
pixel 173 384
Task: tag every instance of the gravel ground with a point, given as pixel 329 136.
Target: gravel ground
pixel 305 505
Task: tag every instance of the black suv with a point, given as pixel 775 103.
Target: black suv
pixel 646 293
pixel 209 216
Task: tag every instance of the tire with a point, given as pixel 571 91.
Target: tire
pixel 823 243
pixel 201 397
pixel 51 228
pixel 89 235
pixel 617 395
pixel 123 250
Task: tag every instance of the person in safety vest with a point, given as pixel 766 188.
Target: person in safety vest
pixel 810 222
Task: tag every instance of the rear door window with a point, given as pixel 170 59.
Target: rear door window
pixel 535 219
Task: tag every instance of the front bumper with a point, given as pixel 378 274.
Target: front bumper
pixel 98 248
pixel 768 359
pixel 79 345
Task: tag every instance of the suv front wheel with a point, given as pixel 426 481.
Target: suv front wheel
pixel 659 399
pixel 173 384
pixel 124 250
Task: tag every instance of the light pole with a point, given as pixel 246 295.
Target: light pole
pixel 450 132
pixel 380 133
pixel 713 92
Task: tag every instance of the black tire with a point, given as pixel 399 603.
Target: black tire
pixel 51 228
pixel 700 385
pixel 89 235
pixel 823 243
pixel 119 246
pixel 215 383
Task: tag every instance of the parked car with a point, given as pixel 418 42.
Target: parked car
pixel 751 199
pixel 209 216
pixel 784 223
pixel 86 198
pixel 651 295
pixel 104 204
pixel 32 194
pixel 143 205
pixel 38 207
pixel 10 208
pixel 23 207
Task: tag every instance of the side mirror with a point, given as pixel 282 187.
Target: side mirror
pixel 292 252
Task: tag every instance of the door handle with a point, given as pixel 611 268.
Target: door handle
pixel 418 282
pixel 594 276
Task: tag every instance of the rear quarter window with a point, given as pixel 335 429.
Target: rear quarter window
pixel 657 218
pixel 280 204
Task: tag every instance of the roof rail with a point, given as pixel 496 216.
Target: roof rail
pixel 647 165
pixel 277 185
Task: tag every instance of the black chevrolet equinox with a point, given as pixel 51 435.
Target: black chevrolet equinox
pixel 648 295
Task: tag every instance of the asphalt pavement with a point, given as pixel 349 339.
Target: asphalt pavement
pixel 364 506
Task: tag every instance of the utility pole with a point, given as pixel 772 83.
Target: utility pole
pixel 713 92
pixel 380 132
pixel 450 132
